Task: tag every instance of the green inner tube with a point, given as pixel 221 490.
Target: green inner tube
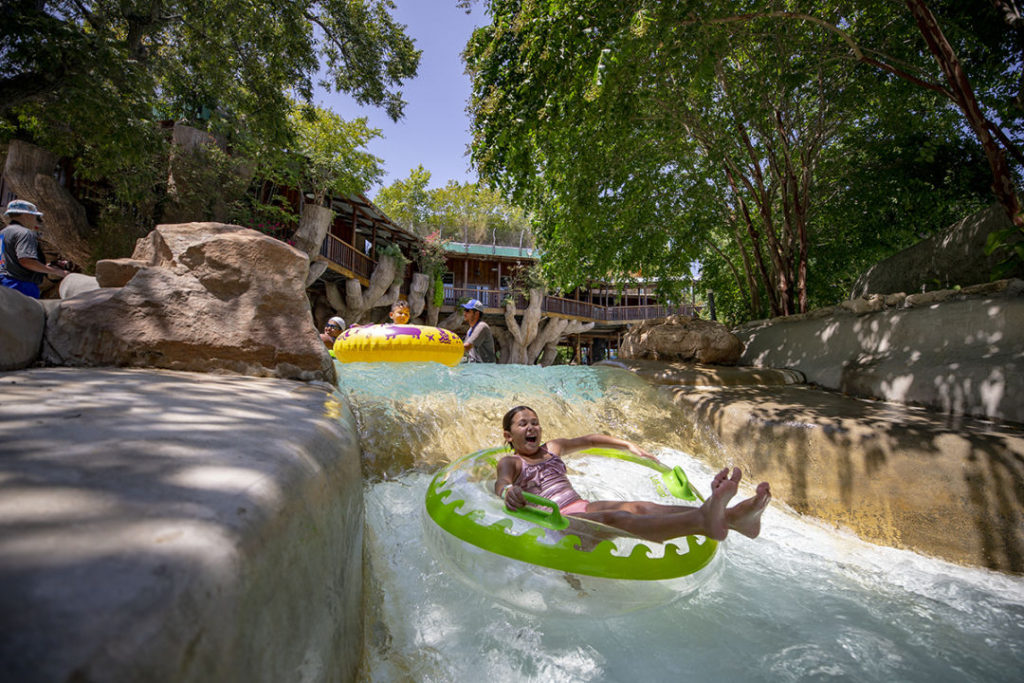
pixel 443 505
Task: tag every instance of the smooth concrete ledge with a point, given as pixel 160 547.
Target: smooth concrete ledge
pixel 904 477
pixel 164 526
pixel 698 375
pixel 961 357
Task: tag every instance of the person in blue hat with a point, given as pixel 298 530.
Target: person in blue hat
pixel 479 343
pixel 22 265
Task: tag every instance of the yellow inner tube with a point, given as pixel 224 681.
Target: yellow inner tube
pixel 398 344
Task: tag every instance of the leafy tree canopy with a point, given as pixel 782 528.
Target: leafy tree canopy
pixel 750 136
pixel 327 156
pixel 91 80
pixel 457 211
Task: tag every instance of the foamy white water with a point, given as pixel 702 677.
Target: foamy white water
pixel 802 602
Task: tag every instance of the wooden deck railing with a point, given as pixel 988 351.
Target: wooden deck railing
pixel 493 298
pixel 347 256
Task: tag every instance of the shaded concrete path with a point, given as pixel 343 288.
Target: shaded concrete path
pixel 947 486
pixel 158 525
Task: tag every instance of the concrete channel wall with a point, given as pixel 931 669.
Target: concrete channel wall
pixel 955 353
pixel 165 526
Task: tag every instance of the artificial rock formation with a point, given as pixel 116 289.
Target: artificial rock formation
pixel 195 296
pixel 955 258
pixel 534 339
pixel 22 321
pixel 956 351
pixel 681 338
pixel 29 171
pixel 356 303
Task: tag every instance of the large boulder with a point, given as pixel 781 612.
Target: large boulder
pixel 204 296
pixel 681 338
pixel 954 258
pixel 22 320
pixel 76 283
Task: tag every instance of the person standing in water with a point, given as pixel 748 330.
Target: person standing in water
pixel 334 327
pixel 479 343
pixel 536 467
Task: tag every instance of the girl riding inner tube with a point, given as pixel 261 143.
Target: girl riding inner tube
pixel 460 500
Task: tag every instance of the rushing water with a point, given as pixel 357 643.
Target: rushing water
pixel 801 603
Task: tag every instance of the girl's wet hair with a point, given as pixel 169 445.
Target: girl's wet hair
pixel 399 305
pixel 506 422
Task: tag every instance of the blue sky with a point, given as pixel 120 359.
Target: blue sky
pixel 435 129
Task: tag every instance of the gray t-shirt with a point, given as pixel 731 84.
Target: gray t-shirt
pixel 20 242
pixel 483 344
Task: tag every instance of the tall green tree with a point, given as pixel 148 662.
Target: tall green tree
pixel 456 211
pixel 644 135
pixel 90 80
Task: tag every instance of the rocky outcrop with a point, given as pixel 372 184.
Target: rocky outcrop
pixel 22 321
pixel 29 172
pixel 955 258
pixel 904 477
pixel 680 338
pixel 75 284
pixel 162 526
pixel 199 296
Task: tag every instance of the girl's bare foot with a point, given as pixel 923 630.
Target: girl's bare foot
pixel 723 488
pixel 745 517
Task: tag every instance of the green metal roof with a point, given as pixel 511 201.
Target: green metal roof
pixel 492 250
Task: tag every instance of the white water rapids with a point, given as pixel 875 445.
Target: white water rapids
pixel 801 603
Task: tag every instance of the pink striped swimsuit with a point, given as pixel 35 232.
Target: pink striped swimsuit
pixel 548 479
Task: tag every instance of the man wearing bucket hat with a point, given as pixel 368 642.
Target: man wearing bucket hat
pixel 479 342
pixel 22 265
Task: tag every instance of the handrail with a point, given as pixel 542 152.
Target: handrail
pixel 493 298
pixel 345 255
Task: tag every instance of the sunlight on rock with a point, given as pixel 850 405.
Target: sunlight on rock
pixel 898 388
pixel 992 390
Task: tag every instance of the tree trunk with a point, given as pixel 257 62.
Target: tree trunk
pixel 418 290
pixel 29 173
pixel 553 332
pixel 317 267
pixel 313 226
pixel 522 334
pixel 963 95
pixel 382 291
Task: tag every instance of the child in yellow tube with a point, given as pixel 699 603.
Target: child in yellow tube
pixel 399 313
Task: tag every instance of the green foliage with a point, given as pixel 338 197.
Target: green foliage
pixel 389 250
pixel 644 135
pixel 326 157
pixel 91 81
pixel 431 258
pixel 208 183
pixel 407 202
pixel 457 211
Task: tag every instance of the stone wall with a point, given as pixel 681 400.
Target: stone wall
pixel 959 352
pixel 954 258
pixel 166 526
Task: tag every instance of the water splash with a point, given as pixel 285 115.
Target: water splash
pixel 802 602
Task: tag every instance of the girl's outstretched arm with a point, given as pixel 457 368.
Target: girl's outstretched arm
pixel 503 484
pixel 559 446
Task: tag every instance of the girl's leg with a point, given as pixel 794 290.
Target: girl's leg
pixel 745 517
pixel 707 520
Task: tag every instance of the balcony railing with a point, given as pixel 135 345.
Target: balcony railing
pixel 493 298
pixel 345 255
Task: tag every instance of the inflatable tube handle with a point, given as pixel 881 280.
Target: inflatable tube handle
pixel 551 518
